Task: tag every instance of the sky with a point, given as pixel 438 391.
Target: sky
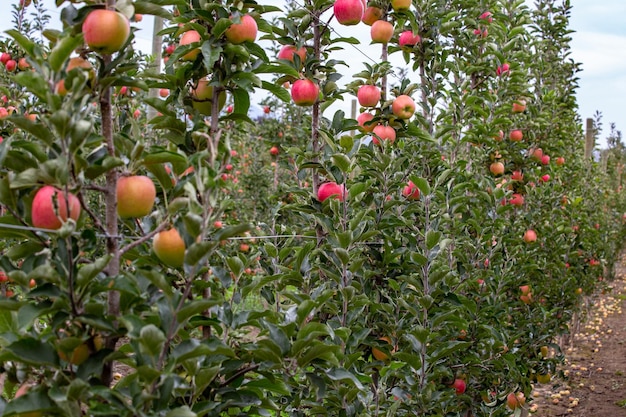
pixel 598 43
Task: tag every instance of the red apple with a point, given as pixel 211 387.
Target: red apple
pixel 230 108
pixel 515 400
pixel 368 95
pixel 137 114
pixel 11 65
pixel 23 64
pixel 305 92
pixel 245 31
pixel 497 168
pixel 49 209
pixel 191 36
pixel 164 92
pixel 487 17
pixel 348 12
pixel 170 49
pixel 274 151
pixel 503 69
pixel 138 17
pixel 267 110
pixel 525 289
pixel 517 200
pixel 169 247
pixel 517 176
pixel 459 386
pixel 381 31
pixel 400 5
pixel 519 106
pixel 536 153
pixel 545 178
pixel 363 120
pixel 371 14
pixel 5 57
pixel 4 113
pixel 411 192
pixel 516 135
pixel 106 31
pixel 384 133
pixel 408 38
pixel 135 196
pixel 288 52
pixel 499 136
pixel 331 189
pixel 560 161
pixel 545 160
pixel 403 107
pixel 530 236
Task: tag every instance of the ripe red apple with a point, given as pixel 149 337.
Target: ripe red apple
pixel 191 36
pixel 305 92
pixel 525 289
pixel 230 108
pixel 135 196
pixel 169 247
pixel 169 50
pixel 385 133
pixel 138 17
pixel 517 200
pixel 410 191
pixel 403 107
pixel 164 92
pixel 245 31
pixel 517 176
pixel 49 209
pixel 515 400
pixel 545 178
pixel 560 161
pixel 400 5
pixel 4 113
pixel 288 52
pixel 408 38
pixel 536 153
pixel 5 57
pixel 545 160
pixel 11 65
pixel 267 110
pixel 503 69
pixel 516 135
pixel 348 12
pixel 499 136
pixel 381 31
pixel 530 236
pixel 459 386
pixel 106 31
pixel 487 17
pixel 137 114
pixel 497 168
pixel 331 189
pixel 519 106
pixel 202 97
pixel 274 151
pixel 371 14
pixel 363 120
pixel 368 95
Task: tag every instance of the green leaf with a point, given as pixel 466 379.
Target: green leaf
pixel 31 403
pixel 150 8
pixel 195 307
pixel 33 82
pixel 278 91
pixel 33 351
pixel 23 41
pixel 210 55
pixel 421 183
pixel 432 239
pixel 343 375
pixel 342 162
pixel 242 101
pixel 151 339
pixel 90 271
pixel 62 51
pixel 183 411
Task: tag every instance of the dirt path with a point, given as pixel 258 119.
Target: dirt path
pixel 596 364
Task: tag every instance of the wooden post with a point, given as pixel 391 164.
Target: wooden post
pixel 157 46
pixel 353 114
pixel 590 139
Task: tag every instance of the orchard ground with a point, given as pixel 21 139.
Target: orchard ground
pixel 596 362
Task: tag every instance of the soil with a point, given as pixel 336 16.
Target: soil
pixel 595 368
